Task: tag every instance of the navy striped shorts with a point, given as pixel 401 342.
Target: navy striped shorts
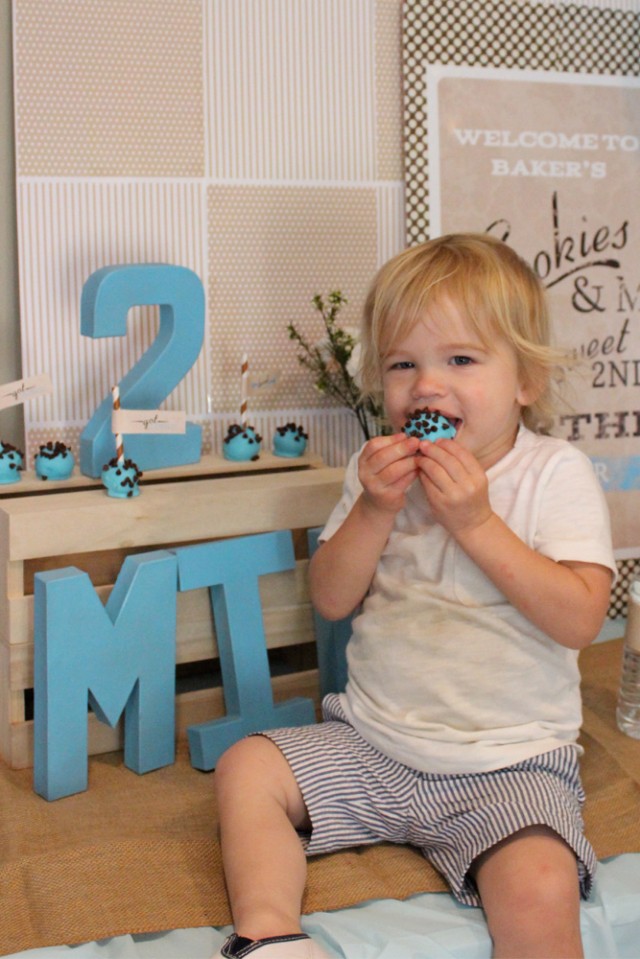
pixel 356 796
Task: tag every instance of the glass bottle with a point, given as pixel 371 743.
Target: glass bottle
pixel 628 711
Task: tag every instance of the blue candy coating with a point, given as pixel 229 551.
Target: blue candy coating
pixel 429 425
pixel 241 444
pixel 121 479
pixel 289 440
pixel 11 463
pixel 54 461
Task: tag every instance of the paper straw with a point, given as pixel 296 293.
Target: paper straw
pixel 243 390
pixel 115 394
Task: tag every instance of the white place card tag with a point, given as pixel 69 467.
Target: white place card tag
pixel 11 394
pixel 148 421
pixel 262 381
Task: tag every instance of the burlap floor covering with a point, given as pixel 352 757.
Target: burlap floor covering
pixel 139 853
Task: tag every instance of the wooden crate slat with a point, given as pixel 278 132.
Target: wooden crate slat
pixel 60 523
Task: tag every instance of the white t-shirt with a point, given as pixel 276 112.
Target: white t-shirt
pixel 445 675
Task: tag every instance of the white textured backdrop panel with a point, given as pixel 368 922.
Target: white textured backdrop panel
pixel 290 90
pixel 69 229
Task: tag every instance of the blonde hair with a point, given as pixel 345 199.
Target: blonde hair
pixel 498 294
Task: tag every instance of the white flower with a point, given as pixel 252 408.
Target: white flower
pixel 352 331
pixel 324 349
pixel 354 364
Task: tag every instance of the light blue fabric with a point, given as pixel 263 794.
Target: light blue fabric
pixel 429 926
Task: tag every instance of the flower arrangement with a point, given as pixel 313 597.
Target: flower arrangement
pixel 334 363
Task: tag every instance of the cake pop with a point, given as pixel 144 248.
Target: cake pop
pixel 429 425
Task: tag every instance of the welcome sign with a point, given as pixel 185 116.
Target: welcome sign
pixel 550 163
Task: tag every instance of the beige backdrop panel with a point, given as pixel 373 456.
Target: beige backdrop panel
pixel 109 89
pixel 270 250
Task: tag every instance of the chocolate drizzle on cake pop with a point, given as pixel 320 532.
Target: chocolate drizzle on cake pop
pixel 6 449
pixel 428 424
pixel 124 475
pixel 246 433
pixel 289 440
pixel 51 450
pixel 54 461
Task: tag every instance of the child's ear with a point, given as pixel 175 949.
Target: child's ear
pixel 529 390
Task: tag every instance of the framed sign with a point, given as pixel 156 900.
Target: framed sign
pixel 548 163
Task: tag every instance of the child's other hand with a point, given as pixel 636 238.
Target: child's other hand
pixel 387 468
pixel 455 484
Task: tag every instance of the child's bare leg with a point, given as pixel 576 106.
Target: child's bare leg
pixel 530 893
pixel 260 807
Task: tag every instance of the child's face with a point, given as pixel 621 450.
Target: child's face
pixel 443 365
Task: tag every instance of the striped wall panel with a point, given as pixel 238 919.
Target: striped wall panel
pixel 69 229
pixel 289 90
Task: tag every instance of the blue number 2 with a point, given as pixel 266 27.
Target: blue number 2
pixel 107 296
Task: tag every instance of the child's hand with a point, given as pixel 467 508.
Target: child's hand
pixel 387 468
pixel 455 485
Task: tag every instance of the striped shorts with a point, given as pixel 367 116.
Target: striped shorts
pixel 356 796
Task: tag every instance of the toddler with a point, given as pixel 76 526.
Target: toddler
pixel 479 567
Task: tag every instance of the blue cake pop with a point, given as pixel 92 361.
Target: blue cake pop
pixel 241 443
pixel 429 425
pixel 11 463
pixel 121 479
pixel 54 461
pixel 289 440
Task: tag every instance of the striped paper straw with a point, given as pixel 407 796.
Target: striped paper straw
pixel 115 395
pixel 244 404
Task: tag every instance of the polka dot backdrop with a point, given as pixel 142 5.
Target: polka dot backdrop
pixel 627 570
pixel 389 90
pixel 496 33
pixel 266 245
pixel 123 99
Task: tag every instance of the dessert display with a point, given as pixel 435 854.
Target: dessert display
pixel 120 478
pixel 54 461
pixel 241 443
pixel 289 440
pixel 11 463
pixel 429 425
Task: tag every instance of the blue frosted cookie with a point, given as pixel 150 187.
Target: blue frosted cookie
pixel 289 440
pixel 54 461
pixel 429 425
pixel 241 444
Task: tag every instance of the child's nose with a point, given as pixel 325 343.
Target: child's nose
pixel 428 384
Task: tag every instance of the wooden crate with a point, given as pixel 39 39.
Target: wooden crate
pixel 75 523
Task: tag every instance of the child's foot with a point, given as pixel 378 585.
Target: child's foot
pixel 296 946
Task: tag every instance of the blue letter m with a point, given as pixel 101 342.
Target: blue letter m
pixel 118 657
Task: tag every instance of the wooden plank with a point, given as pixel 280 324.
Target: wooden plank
pixel 5 703
pixel 102 566
pixel 60 524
